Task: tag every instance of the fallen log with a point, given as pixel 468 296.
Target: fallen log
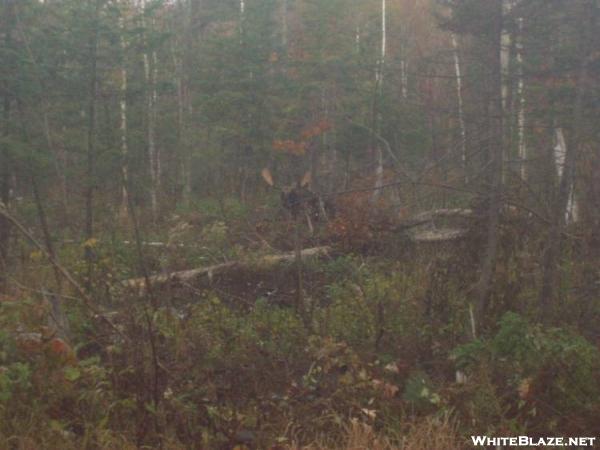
pixel 420 227
pixel 208 272
pixel 143 243
pixel 438 235
pixel 427 217
pixel 444 212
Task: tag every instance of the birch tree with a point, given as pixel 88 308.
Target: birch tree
pixel 124 207
pixel 586 13
pixel 560 152
pixel 460 107
pixel 506 40
pixel 94 6
pixel 150 74
pixel 377 104
pixel 522 144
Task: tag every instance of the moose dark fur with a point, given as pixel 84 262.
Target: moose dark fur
pixel 299 200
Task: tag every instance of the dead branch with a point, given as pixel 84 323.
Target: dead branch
pixel 444 212
pixel 87 300
pixel 427 217
pixel 438 235
pixel 209 272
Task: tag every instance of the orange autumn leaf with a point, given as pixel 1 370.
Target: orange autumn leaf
pixel 58 348
pixel 289 146
pixel 315 130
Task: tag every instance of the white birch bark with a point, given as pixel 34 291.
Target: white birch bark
pixel 459 99
pixel 560 151
pixel 403 77
pixel 379 77
pixel 181 133
pixel 157 163
pixel 242 16
pixel 284 24
pixel 184 107
pixel 379 81
pixel 149 73
pixel 522 145
pixel 506 40
pixel 123 210
pixel 505 45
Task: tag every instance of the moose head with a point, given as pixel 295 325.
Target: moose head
pixel 296 198
pixel 299 200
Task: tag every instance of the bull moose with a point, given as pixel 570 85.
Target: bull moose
pixel 299 200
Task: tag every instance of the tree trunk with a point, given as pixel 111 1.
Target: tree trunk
pixel 5 160
pixel 377 106
pixel 496 150
pixel 242 18
pixel 505 45
pixel 522 145
pixel 459 101
pixel 60 164
pixel 505 75
pixel 58 316
pixel 5 174
pixel 123 208
pixel 551 275
pixel 403 73
pixel 151 97
pixel 91 132
pixel 189 13
pixel 560 152
pixel 284 25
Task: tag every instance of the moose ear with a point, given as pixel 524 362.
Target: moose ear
pixel 306 179
pixel 266 174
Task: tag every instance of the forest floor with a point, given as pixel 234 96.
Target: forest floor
pixel 365 342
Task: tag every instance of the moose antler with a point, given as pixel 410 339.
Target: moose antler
pixel 266 174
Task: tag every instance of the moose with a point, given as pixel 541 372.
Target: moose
pixel 299 200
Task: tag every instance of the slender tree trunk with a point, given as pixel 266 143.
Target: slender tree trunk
pixel 505 55
pixel 242 19
pixel 403 73
pixel 151 97
pixel 5 174
pixel 58 314
pixel 284 25
pixel 123 209
pixel 60 164
pixel 91 132
pixel 377 103
pixel 383 42
pixel 505 45
pixel 496 151
pixel 157 155
pixel 189 12
pixel 522 144
pixel 560 152
pixel 5 160
pixel 459 101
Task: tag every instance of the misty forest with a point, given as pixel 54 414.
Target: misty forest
pixel 298 224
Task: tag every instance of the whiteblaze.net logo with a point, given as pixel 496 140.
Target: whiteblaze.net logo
pixel 526 441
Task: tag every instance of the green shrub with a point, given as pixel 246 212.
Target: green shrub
pixel 545 374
